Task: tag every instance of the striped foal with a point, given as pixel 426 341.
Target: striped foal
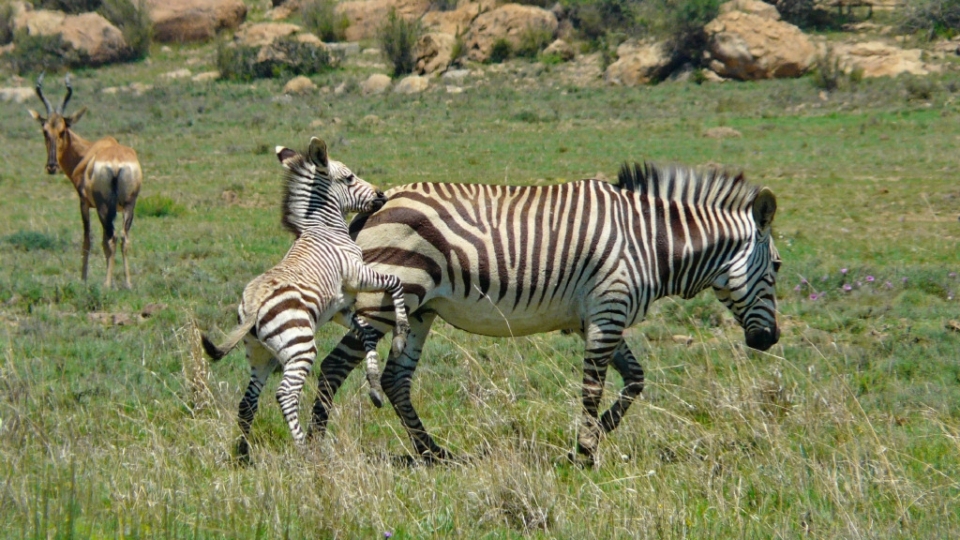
pixel 317 281
pixel 588 257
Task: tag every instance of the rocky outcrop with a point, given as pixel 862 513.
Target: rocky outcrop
pixel 638 64
pixel 433 53
pixel 367 16
pixel 452 22
pixel 282 47
pixel 89 33
pixel 746 46
pixel 180 21
pixel 878 59
pixel 560 49
pixel 509 22
pixel 754 7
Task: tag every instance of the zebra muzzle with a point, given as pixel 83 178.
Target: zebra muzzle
pixel 762 338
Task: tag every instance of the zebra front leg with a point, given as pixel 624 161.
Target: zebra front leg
pixel 262 364
pixel 599 348
pixel 370 337
pixel 630 369
pixel 397 375
pixel 333 371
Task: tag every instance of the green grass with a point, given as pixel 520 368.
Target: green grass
pixel 850 427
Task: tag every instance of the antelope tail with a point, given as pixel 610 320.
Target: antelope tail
pixel 217 352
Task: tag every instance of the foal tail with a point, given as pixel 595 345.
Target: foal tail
pixel 217 352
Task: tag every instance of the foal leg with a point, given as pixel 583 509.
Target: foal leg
pixel 262 364
pixel 370 337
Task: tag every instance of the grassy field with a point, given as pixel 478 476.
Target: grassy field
pixel 849 428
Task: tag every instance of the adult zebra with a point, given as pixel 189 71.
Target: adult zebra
pixel 588 257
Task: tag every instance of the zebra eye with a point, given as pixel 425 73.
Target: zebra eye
pixel 351 179
pixel 776 266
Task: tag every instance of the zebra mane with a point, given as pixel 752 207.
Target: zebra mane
pixel 306 195
pixel 712 186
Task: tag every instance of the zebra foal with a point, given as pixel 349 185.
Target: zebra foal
pixel 317 281
pixel 587 257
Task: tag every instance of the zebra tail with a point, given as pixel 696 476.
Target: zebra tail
pixel 216 352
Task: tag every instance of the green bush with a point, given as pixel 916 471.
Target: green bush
pixel 241 63
pixel 158 206
pixel 502 50
pixel 594 19
pixel 930 17
pixel 533 39
pixel 681 23
pixel 826 72
pixel 6 23
pixel 34 54
pixel 133 19
pixel 444 5
pixel 319 17
pixel 397 38
pixel 32 241
pixel 798 12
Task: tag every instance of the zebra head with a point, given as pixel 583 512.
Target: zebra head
pixel 748 287
pixel 317 187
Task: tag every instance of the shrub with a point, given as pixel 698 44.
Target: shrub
pixel 798 12
pixel 69 6
pixel 6 23
pixel 158 206
pixel 32 241
pixel 533 39
pixel 444 5
pixel 133 19
pixel 826 72
pixel 594 19
pixel 686 21
pixel 289 57
pixel 397 38
pixel 319 17
pixel 33 54
pixel 502 50
pixel 931 17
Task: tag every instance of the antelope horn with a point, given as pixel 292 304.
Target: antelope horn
pixel 69 93
pixel 46 103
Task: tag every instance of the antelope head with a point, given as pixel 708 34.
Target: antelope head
pixel 56 126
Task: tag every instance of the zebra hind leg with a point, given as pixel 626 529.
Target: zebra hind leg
pixel 262 364
pixel 333 371
pixel 600 346
pixel 296 367
pixel 370 337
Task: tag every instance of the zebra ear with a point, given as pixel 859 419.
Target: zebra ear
pixel 284 154
pixel 318 152
pixel 764 209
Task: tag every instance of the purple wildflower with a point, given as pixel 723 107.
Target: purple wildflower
pixel 804 281
pixel 888 285
pixel 904 279
pixel 814 296
pixel 847 287
pixel 859 283
pixel 843 271
pixel 387 534
pixel 797 288
pixel 870 279
pixel 952 274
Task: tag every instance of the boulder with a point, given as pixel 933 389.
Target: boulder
pixel 182 21
pixel 89 33
pixel 17 94
pixel 413 84
pixel 560 49
pixel 509 22
pixel 299 85
pixel 638 64
pixel 367 16
pixel 433 53
pixel 265 33
pixel 877 59
pixel 755 7
pixel 452 22
pixel 375 84
pixel 750 47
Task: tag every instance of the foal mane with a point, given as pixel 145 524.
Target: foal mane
pixel 306 189
pixel 710 187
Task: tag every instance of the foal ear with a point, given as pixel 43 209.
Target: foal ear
pixel 318 152
pixel 36 116
pixel 764 209
pixel 75 117
pixel 285 154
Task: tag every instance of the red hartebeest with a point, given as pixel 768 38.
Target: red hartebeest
pixel 105 173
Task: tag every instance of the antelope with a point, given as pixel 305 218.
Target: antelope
pixel 105 173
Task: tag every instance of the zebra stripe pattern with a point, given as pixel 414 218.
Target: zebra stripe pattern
pixel 316 282
pixel 588 257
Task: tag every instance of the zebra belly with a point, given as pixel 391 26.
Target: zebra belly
pixel 481 316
